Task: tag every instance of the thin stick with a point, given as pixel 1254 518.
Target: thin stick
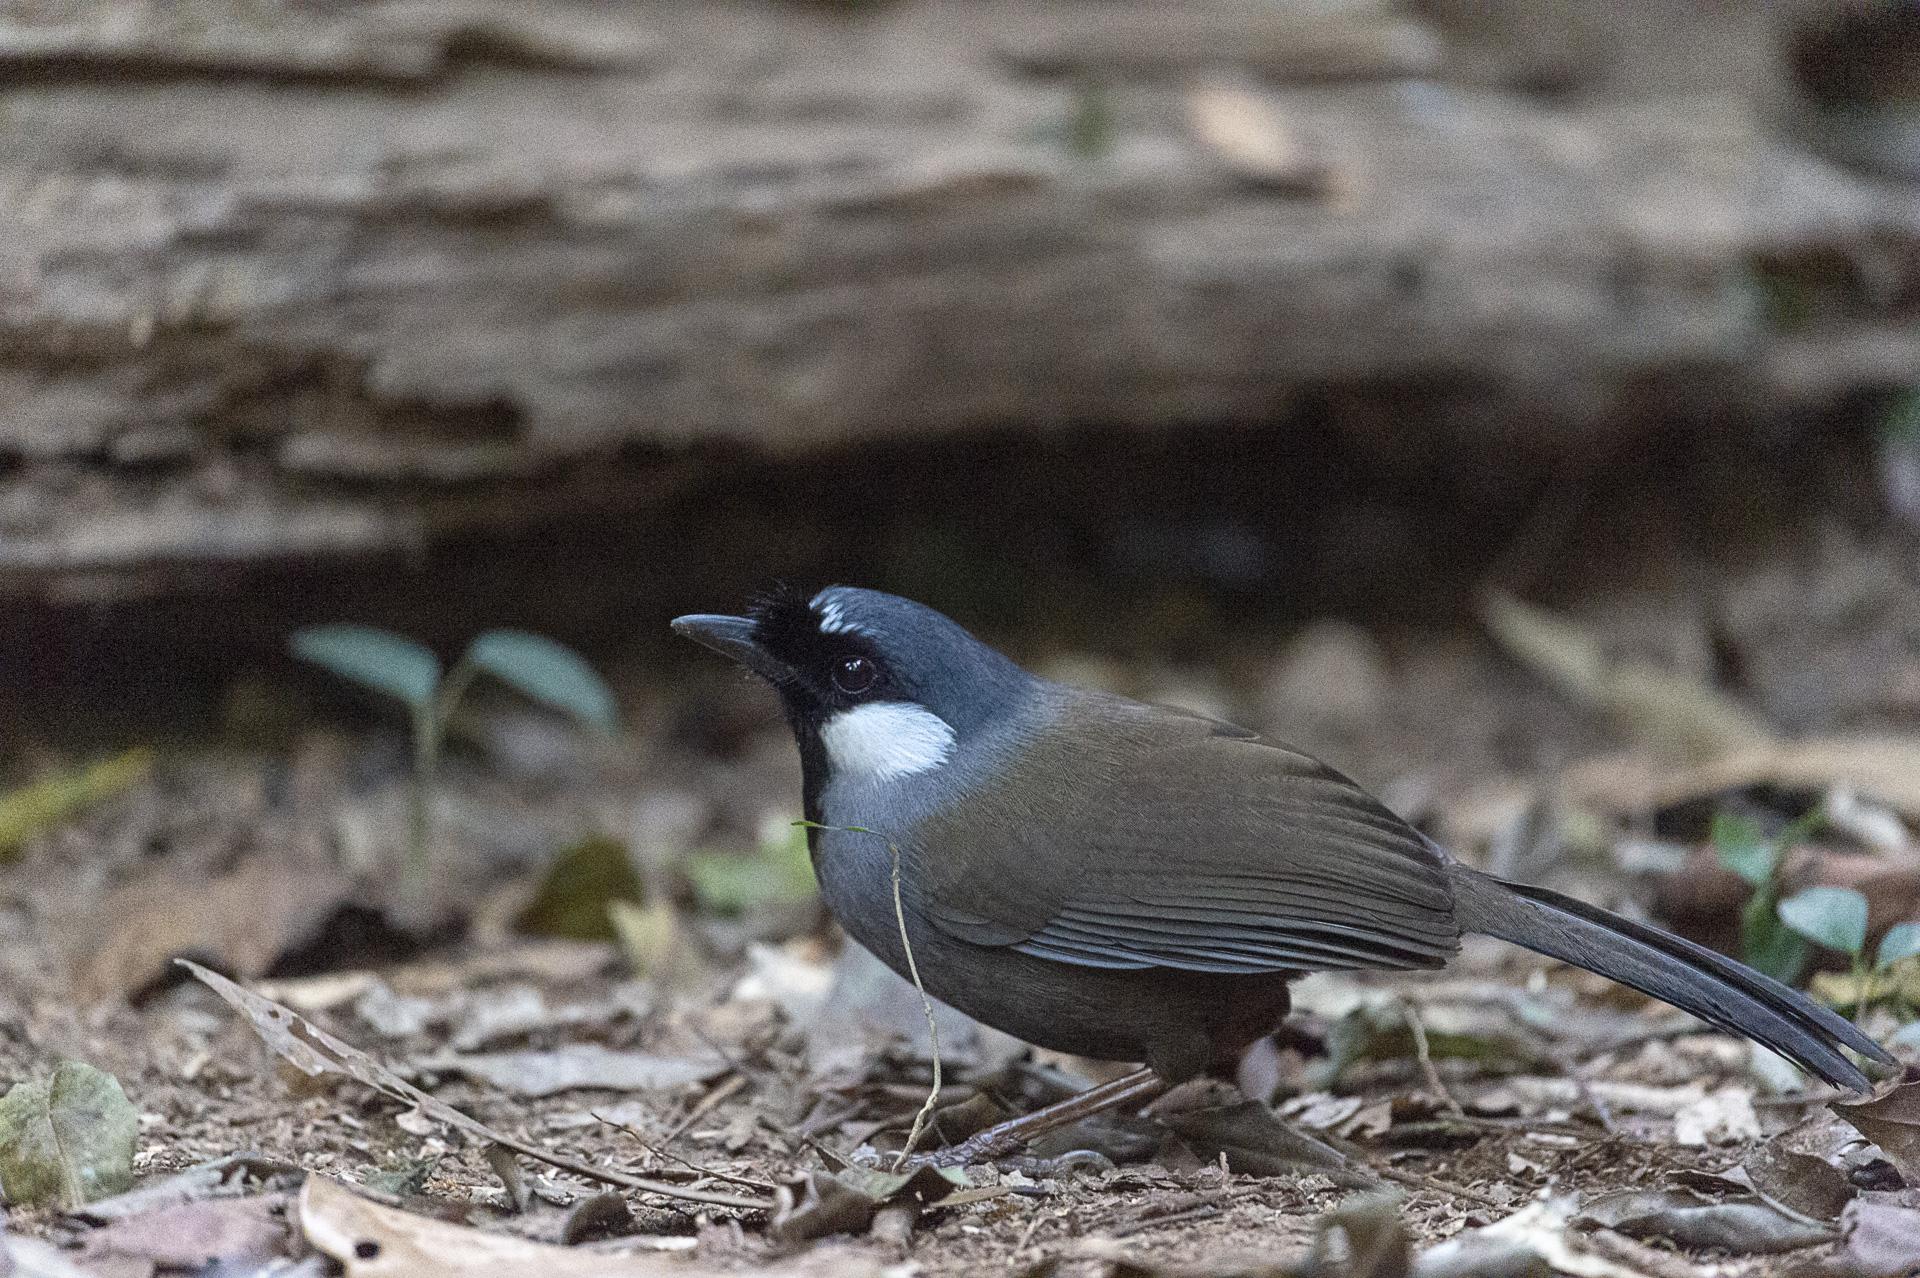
pixel 711 1173
pixel 1445 1188
pixel 926 1006
pixel 704 1106
pixel 1425 1053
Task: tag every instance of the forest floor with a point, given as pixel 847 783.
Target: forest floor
pixel 674 1006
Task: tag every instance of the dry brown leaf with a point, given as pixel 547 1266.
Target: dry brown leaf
pixel 1800 1182
pixel 317 1053
pixel 230 1232
pixel 1882 1240
pixel 242 921
pixel 1890 1120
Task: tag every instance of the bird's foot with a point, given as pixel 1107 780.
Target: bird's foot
pixel 1004 1139
pixel 966 1154
pixel 988 1146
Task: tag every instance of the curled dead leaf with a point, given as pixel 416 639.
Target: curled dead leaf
pixel 846 1202
pixel 1890 1120
pixel 1743 1226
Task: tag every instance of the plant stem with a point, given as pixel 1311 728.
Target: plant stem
pixel 926 1006
pixel 419 801
pixel 429 732
pixel 913 970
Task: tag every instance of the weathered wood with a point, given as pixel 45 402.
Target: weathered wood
pixel 313 280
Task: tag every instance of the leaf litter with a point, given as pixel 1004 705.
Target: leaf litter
pixel 1550 1125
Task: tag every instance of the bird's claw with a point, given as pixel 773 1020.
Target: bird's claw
pixel 1001 1154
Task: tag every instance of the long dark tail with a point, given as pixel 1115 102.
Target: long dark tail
pixel 1712 986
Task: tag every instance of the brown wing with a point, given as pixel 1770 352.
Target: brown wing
pixel 1182 843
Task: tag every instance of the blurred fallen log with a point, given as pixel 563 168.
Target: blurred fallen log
pixel 466 266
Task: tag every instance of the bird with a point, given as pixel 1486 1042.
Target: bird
pixel 1137 883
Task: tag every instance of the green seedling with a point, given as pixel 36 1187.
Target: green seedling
pixel 1766 941
pixel 1835 918
pixel 541 669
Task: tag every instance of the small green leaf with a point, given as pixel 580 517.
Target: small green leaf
pixel 1828 916
pixel 67 1139
pixel 550 673
pixel 1767 943
pixel 1901 941
pixel 780 873
pixel 1743 848
pixel 376 659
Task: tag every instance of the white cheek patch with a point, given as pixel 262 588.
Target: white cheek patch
pixel 885 740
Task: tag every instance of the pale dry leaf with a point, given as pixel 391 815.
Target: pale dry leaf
pixel 36 1258
pixel 317 1053
pixel 1247 133
pixel 372 1241
pixel 324 992
pixel 1723 1117
pixel 1535 1236
pixel 1743 1226
pixel 1885 769
pixel 230 1176
pixel 230 1232
pixel 579 1065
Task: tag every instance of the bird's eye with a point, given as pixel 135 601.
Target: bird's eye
pixel 853 675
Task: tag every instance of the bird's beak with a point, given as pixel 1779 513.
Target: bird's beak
pixel 731 637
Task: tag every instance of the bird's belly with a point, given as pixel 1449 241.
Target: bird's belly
pixel 1179 1022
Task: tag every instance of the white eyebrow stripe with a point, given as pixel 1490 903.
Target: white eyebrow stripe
pixel 886 740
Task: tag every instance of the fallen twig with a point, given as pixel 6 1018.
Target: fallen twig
pixel 315 1052
pixel 1414 1180
pixel 705 1105
pixel 709 1172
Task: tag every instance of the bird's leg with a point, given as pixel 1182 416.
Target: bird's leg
pixel 1001 1139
